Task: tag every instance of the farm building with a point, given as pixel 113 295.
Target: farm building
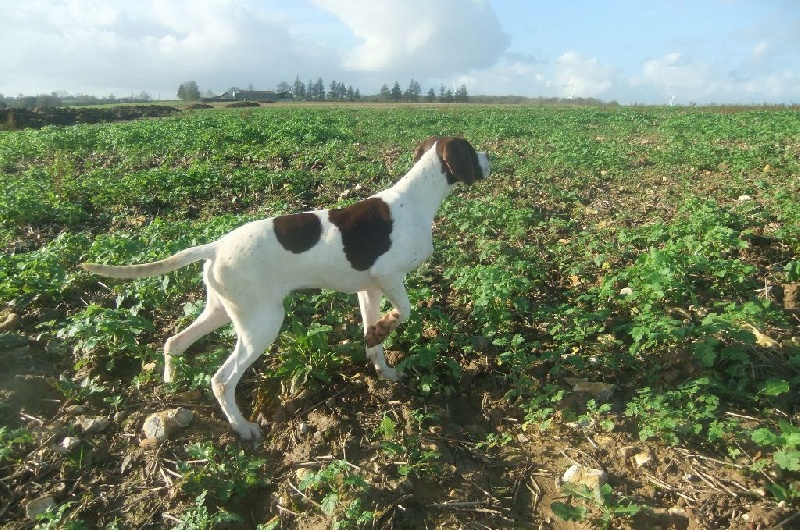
pixel 263 96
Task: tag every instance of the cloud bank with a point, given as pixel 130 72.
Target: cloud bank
pixel 100 47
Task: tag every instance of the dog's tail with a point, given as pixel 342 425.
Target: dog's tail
pixel 176 261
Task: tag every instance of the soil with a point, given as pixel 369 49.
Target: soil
pixel 470 484
pixel 12 119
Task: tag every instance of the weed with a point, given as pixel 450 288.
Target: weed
pixel 198 516
pixel 57 518
pixel 12 441
pixel 337 483
pixel 412 457
pixel 227 473
pixel 611 508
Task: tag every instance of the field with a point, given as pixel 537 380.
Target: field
pixel 622 293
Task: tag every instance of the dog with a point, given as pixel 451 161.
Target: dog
pixel 366 248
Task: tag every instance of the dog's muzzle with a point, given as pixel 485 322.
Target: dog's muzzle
pixel 483 160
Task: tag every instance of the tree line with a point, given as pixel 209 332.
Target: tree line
pixel 339 92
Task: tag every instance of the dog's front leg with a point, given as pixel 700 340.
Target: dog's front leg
pixel 377 329
pixel 370 304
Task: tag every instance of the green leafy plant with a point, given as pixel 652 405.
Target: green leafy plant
pixel 338 484
pixel 787 443
pixel 199 517
pixel 228 473
pixel 12 441
pixel 103 334
pixel 57 518
pixel 690 411
pixel 413 458
pixel 611 507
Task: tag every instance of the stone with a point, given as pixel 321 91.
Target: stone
pixel 70 442
pixel 643 458
pixel 761 339
pixel 161 425
pixel 37 507
pixel 579 475
pixel 93 425
pixel 599 391
pixel 9 322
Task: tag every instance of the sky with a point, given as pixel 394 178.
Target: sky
pixel 629 51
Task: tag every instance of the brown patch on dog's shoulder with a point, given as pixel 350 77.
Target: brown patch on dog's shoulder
pixel 297 232
pixel 366 228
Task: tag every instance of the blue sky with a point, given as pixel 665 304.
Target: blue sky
pixel 654 52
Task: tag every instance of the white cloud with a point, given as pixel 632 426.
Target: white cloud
pixel 420 37
pixel 582 76
pixel 98 47
pixel 675 73
pixel 760 50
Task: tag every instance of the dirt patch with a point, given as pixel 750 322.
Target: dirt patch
pixel 426 460
pixel 13 119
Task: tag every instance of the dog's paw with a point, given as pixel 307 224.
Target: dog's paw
pixel 378 332
pixel 248 431
pixel 392 374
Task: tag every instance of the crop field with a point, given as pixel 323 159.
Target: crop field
pixel 623 293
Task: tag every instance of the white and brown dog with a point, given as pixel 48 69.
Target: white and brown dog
pixel 366 248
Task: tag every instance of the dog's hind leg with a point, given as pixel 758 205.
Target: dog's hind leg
pixel 213 316
pixel 370 303
pixel 255 332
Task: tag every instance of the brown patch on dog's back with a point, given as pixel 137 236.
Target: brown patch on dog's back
pixel 366 228
pixel 297 232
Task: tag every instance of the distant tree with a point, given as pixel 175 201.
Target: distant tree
pixel 144 96
pixel 283 86
pixel 299 89
pixel 385 94
pixel 431 97
pixel 397 92
pixel 413 91
pixel 445 95
pixel 319 90
pixel 46 100
pixel 189 91
pixel 461 94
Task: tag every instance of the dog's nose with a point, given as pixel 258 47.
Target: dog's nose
pixel 483 160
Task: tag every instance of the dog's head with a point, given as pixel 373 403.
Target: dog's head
pixel 460 161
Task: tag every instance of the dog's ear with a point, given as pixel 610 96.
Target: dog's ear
pixel 423 147
pixel 459 159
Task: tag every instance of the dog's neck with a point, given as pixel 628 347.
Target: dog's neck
pixel 424 187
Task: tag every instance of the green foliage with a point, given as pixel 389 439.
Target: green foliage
pixel 58 519
pixel 12 441
pixel 611 508
pixel 102 333
pixel 690 411
pixel 228 473
pixel 198 516
pixel 413 458
pixel 338 484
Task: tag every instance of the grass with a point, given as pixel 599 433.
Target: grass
pixel 650 248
